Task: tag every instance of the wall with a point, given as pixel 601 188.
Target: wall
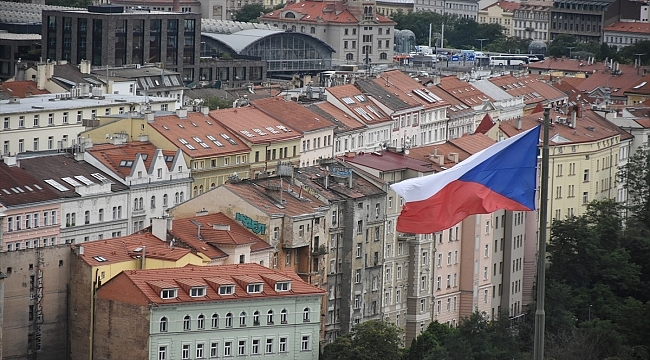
pixel 42 234
pixel 50 269
pixel 120 326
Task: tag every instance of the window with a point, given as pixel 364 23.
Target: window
pixel 163 324
pixel 283 286
pixel 423 303
pixel 256 318
pixel 305 344
pixel 269 317
pixel 269 346
pixel 199 350
pixel 187 323
pixel 162 353
pixel 214 349
pixel 255 348
pixel 168 294
pixel 254 288
pixel 229 320
pixel 305 315
pixel 226 289
pixel 283 316
pixel 241 349
pixel 215 321
pixel 153 202
pixel 185 352
pixel 227 348
pixel 200 322
pixel 242 318
pixel 585 197
pixel 585 176
pixel 283 344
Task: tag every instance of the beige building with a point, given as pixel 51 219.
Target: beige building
pixel 501 12
pixel 354 29
pixel 530 20
pixel 389 7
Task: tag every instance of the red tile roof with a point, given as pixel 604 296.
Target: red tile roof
pixel 212 236
pixel 143 287
pixel 463 91
pixel 121 249
pixel 640 86
pixel 532 89
pixel 617 83
pixel 389 161
pixel 22 88
pixel 18 187
pixel 506 6
pixel 398 80
pixel 318 12
pixel 572 65
pixel 245 121
pixel 472 143
pixel 114 155
pixel 485 125
pixel 464 146
pixel 183 131
pixel 355 101
pixel 292 114
pixel 629 27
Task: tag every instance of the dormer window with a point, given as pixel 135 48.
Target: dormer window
pixel 283 286
pixel 198 291
pixel 226 289
pixel 254 288
pixel 289 15
pixel 169 293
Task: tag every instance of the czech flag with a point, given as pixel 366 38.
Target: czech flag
pixel 502 176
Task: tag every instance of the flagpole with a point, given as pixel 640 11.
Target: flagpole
pixel 540 315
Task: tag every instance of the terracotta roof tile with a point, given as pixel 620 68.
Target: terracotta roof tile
pixel 343 122
pixel 318 12
pixel 629 27
pixel 389 161
pixel 411 88
pixel 314 178
pixel 22 88
pixel 292 114
pixel 244 122
pixel 485 125
pixel 114 155
pixel 388 94
pixel 182 132
pixel 530 88
pixel 121 249
pixel 571 65
pixel 463 91
pixel 464 146
pixel 617 83
pixel 148 284
pixel 212 235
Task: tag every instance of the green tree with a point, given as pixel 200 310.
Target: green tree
pixel 369 340
pixel 250 12
pixel 215 103
pixel 560 45
pixel 508 45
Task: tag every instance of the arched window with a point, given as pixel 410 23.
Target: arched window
pixel 212 186
pixel 135 204
pixel 305 315
pixel 196 190
pixel 269 317
pixel 293 28
pixel 163 324
pixel 349 56
pixel 141 203
pixel 242 318
pixel 201 322
pixel 165 200
pixel 200 189
pixel 256 318
pixel 187 322
pixel 215 321
pixel 289 15
pixel 283 316
pixel 182 196
pixel 312 30
pixel 176 199
pixel 153 202
pixel 302 29
pixel 284 27
pixel 229 320
pixel 383 56
pixel 101 214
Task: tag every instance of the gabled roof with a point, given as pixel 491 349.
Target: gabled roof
pixel 389 161
pixel 264 195
pixel 336 189
pixel 485 125
pixel 463 91
pixel 292 114
pixel 388 95
pixel 318 12
pixel 532 89
pixel 359 103
pixel 183 133
pixel 216 230
pixel 127 248
pixel 118 157
pixel 144 285
pixel 396 79
pixel 253 125
pixel 457 107
pixel 464 147
pixel 618 84
pixel 632 27
pixel 337 117
pixel 506 6
pixel 640 86
pixel 18 187
pixel 22 88
pixel 55 168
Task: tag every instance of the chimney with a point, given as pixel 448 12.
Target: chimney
pixel 79 250
pixel 177 6
pixel 41 76
pixel 181 113
pixel 453 157
pixel 573 118
pixel 143 137
pixel 519 123
pixel 202 212
pixel 198 230
pixel 159 228
pixel 435 151
pixel 84 67
pixel 579 110
pixel 223 227
pixel 327 181
pixel 149 116
pixel 205 110
pixel 11 160
pixel 438 159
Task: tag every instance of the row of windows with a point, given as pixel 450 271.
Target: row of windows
pixel 71 218
pixel 228 320
pixel 15 223
pixel 36 145
pixel 227 349
pixel 27 244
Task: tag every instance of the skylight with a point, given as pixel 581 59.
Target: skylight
pixel 100 177
pixel 347 100
pixel 283 128
pixel 360 98
pixel 247 133
pixel 126 163
pixel 640 85
pixel 272 130
pixel 100 258
pixel 262 133
pixel 55 184
pixel 74 182
pixel 229 139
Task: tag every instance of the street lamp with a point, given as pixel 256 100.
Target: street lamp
pixel 481 40
pixel 570 48
pixel 638 65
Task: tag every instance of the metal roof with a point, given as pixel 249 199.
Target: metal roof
pixel 240 40
pixel 25 13
pixel 229 27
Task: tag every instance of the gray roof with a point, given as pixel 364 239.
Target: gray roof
pixel 383 96
pixel 12 36
pixel 24 13
pixel 240 40
pixel 492 90
pixel 229 27
pixel 133 72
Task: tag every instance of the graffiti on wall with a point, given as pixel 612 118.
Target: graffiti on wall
pixel 251 224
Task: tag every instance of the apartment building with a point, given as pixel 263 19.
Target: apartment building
pixel 468 97
pixel 270 140
pixel 317 134
pixel 586 20
pixel 510 106
pixel 502 13
pixel 354 29
pixel 355 244
pixel 156 178
pixel 189 313
pixel 114 35
pixel 53 121
pixel 533 91
pixel 625 33
pixel 346 127
pixel 531 19
pixel 95 263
